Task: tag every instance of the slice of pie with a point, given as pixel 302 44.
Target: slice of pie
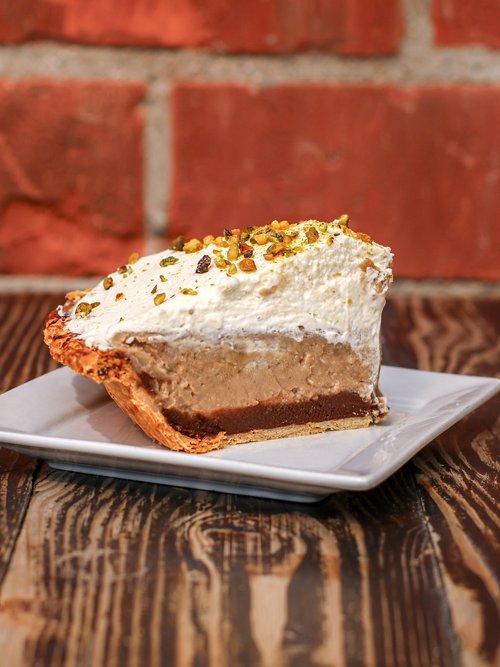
pixel 260 333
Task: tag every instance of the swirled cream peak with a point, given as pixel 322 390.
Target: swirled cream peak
pixel 305 278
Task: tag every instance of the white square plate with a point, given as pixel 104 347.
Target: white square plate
pixel 71 422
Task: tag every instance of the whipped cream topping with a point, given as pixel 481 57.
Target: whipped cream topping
pixel 330 282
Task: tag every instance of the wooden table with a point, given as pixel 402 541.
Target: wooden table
pixel 97 571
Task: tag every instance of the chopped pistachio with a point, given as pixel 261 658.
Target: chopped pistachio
pixel 260 239
pixel 276 249
pixel 204 264
pixel 162 278
pixel 193 246
pixel 233 252
pixel 83 309
pixel 159 298
pixel 344 219
pixel 177 244
pixel 219 240
pixel 246 249
pixel 232 270
pixel 312 235
pixel 154 290
pixel 119 296
pixel 107 282
pixel 168 261
pixel 247 265
pixel 274 236
pixel 188 291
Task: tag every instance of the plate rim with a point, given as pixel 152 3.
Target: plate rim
pixel 332 481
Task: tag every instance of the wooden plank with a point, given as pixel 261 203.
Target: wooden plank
pixel 16 485
pixel 116 573
pixel 458 476
pixel 23 356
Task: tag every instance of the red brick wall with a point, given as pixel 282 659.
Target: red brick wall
pixel 459 22
pixel 126 122
pixel 354 27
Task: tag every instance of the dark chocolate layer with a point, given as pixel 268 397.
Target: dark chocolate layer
pixel 267 415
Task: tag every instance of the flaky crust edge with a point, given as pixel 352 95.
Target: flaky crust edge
pixel 115 372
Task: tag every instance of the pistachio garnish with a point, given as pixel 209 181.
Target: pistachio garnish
pixel 232 270
pixel 276 249
pixel 233 252
pixel 119 296
pixel 274 236
pixel 247 265
pixel 107 282
pixel 260 239
pixel 219 241
pixel 83 309
pixel 245 249
pixel 188 291
pixel 312 235
pixel 162 278
pixel 154 290
pixel 122 269
pixel 193 245
pixel 168 261
pixel 344 219
pixel 177 244
pixel 159 298
pixel 203 264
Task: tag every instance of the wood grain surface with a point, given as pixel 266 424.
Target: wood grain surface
pixel 97 571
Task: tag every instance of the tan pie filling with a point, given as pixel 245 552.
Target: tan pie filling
pixel 255 381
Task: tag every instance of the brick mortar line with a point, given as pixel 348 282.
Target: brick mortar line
pixel 401 287
pixel 415 64
pixel 417 21
pixel 156 142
